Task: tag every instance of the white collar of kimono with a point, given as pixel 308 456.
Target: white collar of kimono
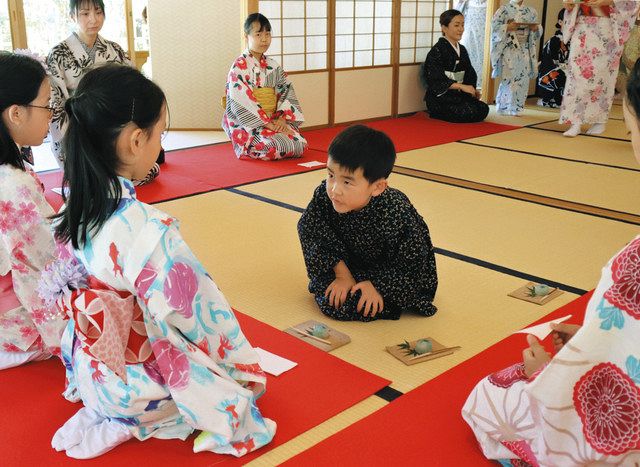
pixel 455 46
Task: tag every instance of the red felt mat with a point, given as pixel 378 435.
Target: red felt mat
pixel 413 132
pixel 424 426
pixel 199 170
pixel 320 387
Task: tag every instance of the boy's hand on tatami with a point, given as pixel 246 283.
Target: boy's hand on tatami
pixel 370 303
pixel 338 290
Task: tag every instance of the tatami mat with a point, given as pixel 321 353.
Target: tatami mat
pixel 530 116
pixel 581 148
pixel 551 243
pixel 614 129
pixel 595 185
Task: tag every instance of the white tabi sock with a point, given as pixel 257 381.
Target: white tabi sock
pixel 573 131
pixel 596 129
pixel 100 439
pixel 13 359
pixel 70 434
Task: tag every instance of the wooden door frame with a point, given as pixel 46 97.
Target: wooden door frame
pixel 17 24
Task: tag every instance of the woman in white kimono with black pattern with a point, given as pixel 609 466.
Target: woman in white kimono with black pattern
pixel 70 59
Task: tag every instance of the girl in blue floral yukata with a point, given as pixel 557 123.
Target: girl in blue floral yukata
pixel 514 34
pixel 152 346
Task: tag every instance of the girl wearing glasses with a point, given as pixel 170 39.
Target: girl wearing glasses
pixel 29 330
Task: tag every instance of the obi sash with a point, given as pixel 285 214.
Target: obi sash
pixel 457 76
pixel 8 298
pixel 267 99
pixel 110 324
pixel 602 11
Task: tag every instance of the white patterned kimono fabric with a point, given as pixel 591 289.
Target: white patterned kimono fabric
pixel 513 60
pixel 594 60
pixel 475 17
pixel 26 247
pixel 583 408
pixel 67 62
pixel 197 371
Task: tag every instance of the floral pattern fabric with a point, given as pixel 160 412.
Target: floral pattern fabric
pixel 26 322
pixel 244 119
pixel 514 60
pixel 594 59
pixel 583 407
pixel 67 62
pixel 475 17
pixel 177 361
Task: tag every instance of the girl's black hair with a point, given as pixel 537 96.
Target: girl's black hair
pixel 364 147
pixel 265 25
pixel 633 89
pixel 107 99
pixel 75 5
pixel 20 81
pixel 447 17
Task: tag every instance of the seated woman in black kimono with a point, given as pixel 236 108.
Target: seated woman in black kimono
pixel 449 78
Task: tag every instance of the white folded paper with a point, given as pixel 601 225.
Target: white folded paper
pixel 311 164
pixel 542 330
pixel 274 364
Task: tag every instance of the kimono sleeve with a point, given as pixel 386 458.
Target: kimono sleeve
pixel 436 81
pixel 288 104
pixel 500 39
pixel 59 94
pixel 321 247
pixel 623 15
pixel 241 103
pixel 28 245
pixel 410 256
pixel 470 75
pixel 210 368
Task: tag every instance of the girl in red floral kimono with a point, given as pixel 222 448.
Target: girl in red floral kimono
pixel 262 115
pixel 581 406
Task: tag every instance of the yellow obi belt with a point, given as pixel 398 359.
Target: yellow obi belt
pixel 267 99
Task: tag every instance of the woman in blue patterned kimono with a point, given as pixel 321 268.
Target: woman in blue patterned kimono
pixel 152 346
pixel 514 34
pixel 475 18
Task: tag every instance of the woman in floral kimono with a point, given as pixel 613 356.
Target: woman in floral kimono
pixel 28 329
pixel 71 58
pixel 263 115
pixel 514 35
pixel 152 345
pixel 581 407
pixel 475 18
pixel 597 30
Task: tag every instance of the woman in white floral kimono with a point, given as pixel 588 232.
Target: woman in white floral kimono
pixel 514 36
pixel 262 115
pixel 475 18
pixel 152 345
pixel 581 407
pixel 28 329
pixel 71 58
pixel 597 30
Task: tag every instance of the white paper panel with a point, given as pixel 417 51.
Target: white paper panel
pixel 276 27
pixel 316 26
pixel 408 9
pixel 382 41
pixel 407 24
pixel 293 27
pixel 344 59
pixel 293 62
pixel 382 57
pixel 364 25
pixel 344 8
pixel 344 42
pixel 423 39
pixel 316 61
pixel 316 8
pixel 363 58
pixel 407 39
pixel 384 9
pixel 428 24
pixel 406 55
pixel 293 9
pixel 344 26
pixel 421 54
pixel 364 42
pixel 383 25
pixel 425 9
pixel 316 44
pixel 439 8
pixel 269 8
pixel 364 8
pixel 293 45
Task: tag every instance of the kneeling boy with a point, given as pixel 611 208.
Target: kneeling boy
pixel 368 252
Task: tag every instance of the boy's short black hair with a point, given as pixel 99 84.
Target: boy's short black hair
pixel 265 25
pixel 361 146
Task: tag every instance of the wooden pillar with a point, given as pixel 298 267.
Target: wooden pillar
pixel 18 26
pixel 488 84
pixel 395 55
